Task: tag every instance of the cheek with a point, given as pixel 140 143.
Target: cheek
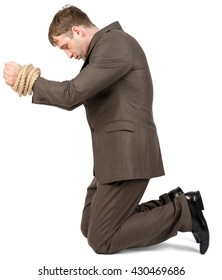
pixel 79 47
pixel 84 50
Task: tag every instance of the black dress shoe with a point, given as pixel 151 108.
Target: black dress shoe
pixel 172 195
pixel 175 192
pixel 199 224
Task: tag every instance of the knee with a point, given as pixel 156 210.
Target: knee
pixel 84 230
pixel 93 242
pixel 98 246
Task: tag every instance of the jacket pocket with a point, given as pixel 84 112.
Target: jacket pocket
pixel 120 126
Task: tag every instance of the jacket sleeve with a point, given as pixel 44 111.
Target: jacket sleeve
pixel 109 61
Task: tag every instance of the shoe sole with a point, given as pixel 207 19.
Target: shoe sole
pixel 204 248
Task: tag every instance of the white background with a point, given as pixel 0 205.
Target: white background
pixel 45 152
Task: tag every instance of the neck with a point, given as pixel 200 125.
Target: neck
pixel 91 31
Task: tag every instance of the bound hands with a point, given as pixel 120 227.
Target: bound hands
pixel 21 78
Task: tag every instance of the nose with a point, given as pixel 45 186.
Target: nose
pixel 68 53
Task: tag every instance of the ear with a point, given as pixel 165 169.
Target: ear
pixel 78 30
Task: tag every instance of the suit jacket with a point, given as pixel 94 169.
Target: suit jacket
pixel 115 86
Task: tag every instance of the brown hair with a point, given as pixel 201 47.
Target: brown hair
pixel 65 19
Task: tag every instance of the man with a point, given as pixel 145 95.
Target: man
pixel 115 87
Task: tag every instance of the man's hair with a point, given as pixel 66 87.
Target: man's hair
pixel 65 19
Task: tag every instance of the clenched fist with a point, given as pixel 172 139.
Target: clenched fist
pixel 10 72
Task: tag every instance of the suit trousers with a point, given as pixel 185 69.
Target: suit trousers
pixel 113 219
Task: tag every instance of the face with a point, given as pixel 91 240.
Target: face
pixel 76 46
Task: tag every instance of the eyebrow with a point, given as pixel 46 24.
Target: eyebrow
pixel 55 41
pixel 63 45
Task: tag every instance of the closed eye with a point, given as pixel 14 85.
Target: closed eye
pixel 63 47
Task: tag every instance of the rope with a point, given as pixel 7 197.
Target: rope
pixel 26 79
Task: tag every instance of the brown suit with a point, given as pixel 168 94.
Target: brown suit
pixel 115 87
